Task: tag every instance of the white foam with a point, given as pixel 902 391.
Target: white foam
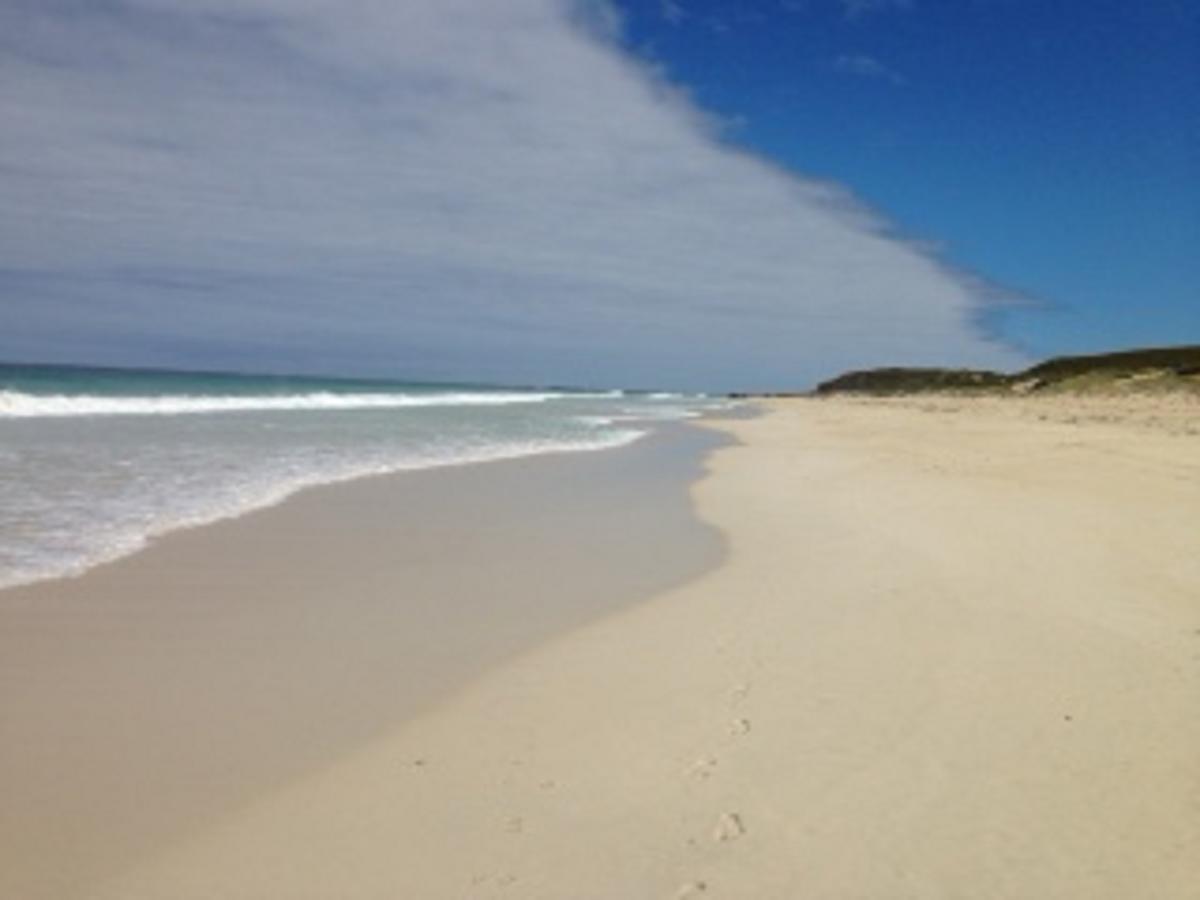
pixel 272 489
pixel 19 405
pixel 656 414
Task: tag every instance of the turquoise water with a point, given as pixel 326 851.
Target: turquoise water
pixel 94 463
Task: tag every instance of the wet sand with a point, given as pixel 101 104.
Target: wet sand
pixel 151 697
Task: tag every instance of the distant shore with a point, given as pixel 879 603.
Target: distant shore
pixel 951 651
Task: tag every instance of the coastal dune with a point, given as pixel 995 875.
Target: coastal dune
pixel 954 651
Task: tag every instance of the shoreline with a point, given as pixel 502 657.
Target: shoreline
pixel 945 657
pixel 948 651
pixel 161 691
pixel 278 496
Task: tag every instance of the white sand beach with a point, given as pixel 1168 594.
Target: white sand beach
pixel 953 652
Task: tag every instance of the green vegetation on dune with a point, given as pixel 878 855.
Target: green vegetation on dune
pixel 1179 360
pixel 1130 371
pixel 909 380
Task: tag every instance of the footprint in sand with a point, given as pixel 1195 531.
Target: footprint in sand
pixel 739 693
pixel 729 828
pixel 504 879
pixel 691 889
pixel 703 768
pixel 739 726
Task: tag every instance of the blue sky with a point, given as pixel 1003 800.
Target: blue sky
pixel 1053 147
pixel 679 194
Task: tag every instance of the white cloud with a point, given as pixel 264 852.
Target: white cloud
pixel 866 67
pixel 449 188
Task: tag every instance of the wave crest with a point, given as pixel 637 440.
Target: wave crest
pixel 20 405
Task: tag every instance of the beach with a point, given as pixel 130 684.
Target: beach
pixel 935 648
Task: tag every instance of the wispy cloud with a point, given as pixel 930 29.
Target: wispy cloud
pixel 447 188
pixel 864 66
pixel 672 11
pixel 855 9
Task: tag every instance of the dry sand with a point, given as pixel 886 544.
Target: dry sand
pixel 954 652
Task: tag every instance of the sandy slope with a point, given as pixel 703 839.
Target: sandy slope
pixel 955 653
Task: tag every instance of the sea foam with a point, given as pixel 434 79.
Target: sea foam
pixel 94 464
pixel 132 524
pixel 20 405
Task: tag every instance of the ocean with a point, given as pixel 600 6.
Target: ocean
pixel 94 463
